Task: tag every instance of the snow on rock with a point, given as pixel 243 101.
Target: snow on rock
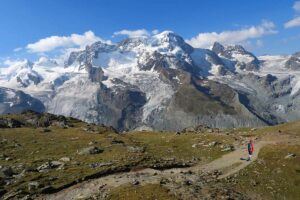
pixel 76 97
pixel 242 57
pixel 157 92
pixel 151 66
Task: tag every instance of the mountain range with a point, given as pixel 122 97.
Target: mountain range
pixel 157 82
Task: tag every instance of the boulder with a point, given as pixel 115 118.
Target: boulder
pixel 3 156
pixel 228 148
pixel 188 129
pixel 290 155
pixel 133 149
pixel 49 165
pixel 101 164
pixel 10 123
pixel 32 186
pixel 65 159
pixel 135 182
pixel 6 172
pixel 90 150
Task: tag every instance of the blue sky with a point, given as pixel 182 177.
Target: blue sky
pixel 265 26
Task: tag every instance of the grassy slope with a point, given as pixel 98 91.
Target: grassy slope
pixel 150 191
pixel 272 176
pixel 37 147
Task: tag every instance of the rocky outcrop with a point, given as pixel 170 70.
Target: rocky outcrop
pixel 243 59
pixel 15 101
pixel 293 62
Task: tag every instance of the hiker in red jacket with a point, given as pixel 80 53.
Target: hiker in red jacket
pixel 250 149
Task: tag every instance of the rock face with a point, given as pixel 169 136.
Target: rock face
pixel 15 101
pixel 293 62
pixel 159 82
pixel 243 59
pixel 9 123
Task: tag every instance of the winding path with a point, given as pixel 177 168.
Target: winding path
pixel 230 163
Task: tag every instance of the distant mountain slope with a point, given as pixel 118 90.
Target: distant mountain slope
pixel 161 82
pixel 14 101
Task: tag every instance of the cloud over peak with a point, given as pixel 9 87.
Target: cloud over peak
pixel 133 33
pixel 296 20
pixel 206 40
pixel 54 42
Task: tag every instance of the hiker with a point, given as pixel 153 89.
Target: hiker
pixel 250 147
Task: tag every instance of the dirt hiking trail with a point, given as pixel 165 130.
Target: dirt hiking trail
pixel 229 164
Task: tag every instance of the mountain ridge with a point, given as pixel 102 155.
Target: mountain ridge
pixel 161 82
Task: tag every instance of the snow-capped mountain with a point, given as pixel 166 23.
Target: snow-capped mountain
pixel 12 101
pixel 161 82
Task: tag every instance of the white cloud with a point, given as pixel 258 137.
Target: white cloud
pixel 205 40
pixel 18 49
pixel 53 42
pixel 155 31
pixel 296 6
pixel 133 34
pixel 296 20
pixel 292 23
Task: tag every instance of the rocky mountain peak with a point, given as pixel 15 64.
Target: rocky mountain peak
pixel 218 48
pixel 171 40
pixel 46 62
pixel 293 62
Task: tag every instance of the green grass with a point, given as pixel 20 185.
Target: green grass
pixel 161 150
pixel 170 145
pixel 37 147
pixel 272 176
pixel 149 191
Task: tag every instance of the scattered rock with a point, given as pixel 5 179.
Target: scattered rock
pixel 290 155
pixel 3 156
pixel 116 141
pixel 3 141
pixel 135 182
pixel 47 189
pixel 50 165
pixel 93 142
pixel 95 165
pixel 213 143
pixel 201 128
pixel 188 182
pixel 8 159
pixel 277 171
pixel 253 182
pixel 56 164
pixel 33 186
pixel 164 181
pixel 228 148
pixel 90 150
pixel 210 131
pixel 10 123
pixel 133 149
pixel 189 129
pixel 65 159
pixel 6 172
